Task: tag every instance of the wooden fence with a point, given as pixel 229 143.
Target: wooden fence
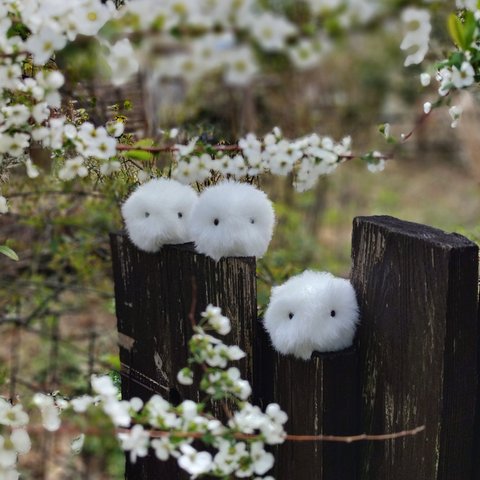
pixel 415 361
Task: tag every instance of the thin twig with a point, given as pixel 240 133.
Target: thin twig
pixel 355 438
pixel 304 438
pixel 244 436
pixel 218 148
pixel 79 193
pixel 419 122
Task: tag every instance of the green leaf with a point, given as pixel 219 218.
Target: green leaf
pixel 141 155
pixel 8 252
pixel 455 28
pixel 456 59
pixel 144 142
pixel 138 155
pixel 469 28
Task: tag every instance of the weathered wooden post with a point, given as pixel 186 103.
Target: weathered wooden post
pixel 320 396
pixel 153 295
pixel 418 348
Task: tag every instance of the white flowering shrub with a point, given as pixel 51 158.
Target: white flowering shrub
pixel 460 68
pixel 236 446
pixel 199 38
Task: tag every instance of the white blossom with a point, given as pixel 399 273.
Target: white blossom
pixel 49 410
pixel 463 77
pixel 135 441
pixel 118 411
pixel 455 112
pixel 73 167
pixel 21 440
pixel 305 54
pixel 122 61
pixel 417 38
pixel 216 320
pixel 110 167
pixel 8 455
pixel 163 448
pixel 3 206
pixel 185 376
pixel 103 385
pixel 425 79
pixel 271 31
pixel 44 43
pixel 240 66
pixel 12 415
pixel 195 463
pixel 81 404
pixel 277 415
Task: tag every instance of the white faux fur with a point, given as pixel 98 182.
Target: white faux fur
pixel 323 311
pixel 232 219
pixel 158 212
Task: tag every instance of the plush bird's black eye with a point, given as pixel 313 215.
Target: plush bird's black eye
pixel 147 214
pixel 180 214
pixel 252 220
pixel 290 315
pixel 332 313
pixel 216 222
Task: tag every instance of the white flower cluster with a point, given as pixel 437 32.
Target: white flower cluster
pixel 460 69
pixel 50 408
pixel 216 36
pixel 306 158
pixel 231 31
pixel 243 457
pixel 349 11
pixel 20 122
pixel 29 105
pixel 53 24
pixel 167 429
pixel 14 438
pixel 417 38
pixel 455 78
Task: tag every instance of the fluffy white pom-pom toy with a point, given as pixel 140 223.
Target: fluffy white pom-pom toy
pixel 313 311
pixel 158 212
pixel 232 219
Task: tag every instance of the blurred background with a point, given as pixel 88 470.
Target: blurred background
pixel 57 322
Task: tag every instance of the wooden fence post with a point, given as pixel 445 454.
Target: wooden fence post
pixel 320 396
pixel 153 294
pixel 418 348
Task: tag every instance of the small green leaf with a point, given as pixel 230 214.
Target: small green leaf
pixel 457 31
pixel 138 155
pixel 8 252
pixel 144 142
pixel 470 26
pixel 456 59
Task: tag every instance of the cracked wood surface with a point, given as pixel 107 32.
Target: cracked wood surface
pixel 418 347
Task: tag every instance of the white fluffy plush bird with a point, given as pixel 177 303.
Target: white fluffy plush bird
pixel 158 212
pixel 232 219
pixel 312 311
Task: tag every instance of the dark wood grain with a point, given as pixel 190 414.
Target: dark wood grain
pixel 320 396
pixel 476 447
pixel 153 294
pixel 418 347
